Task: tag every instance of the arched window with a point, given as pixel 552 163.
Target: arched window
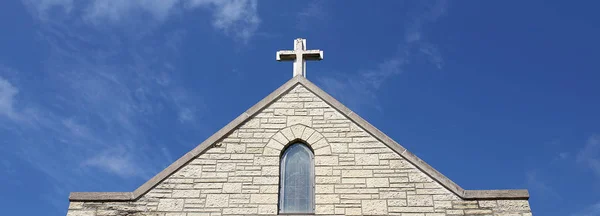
pixel 297 178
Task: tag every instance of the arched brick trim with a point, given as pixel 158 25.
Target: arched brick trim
pixel 287 135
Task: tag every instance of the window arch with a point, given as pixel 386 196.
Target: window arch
pixel 297 180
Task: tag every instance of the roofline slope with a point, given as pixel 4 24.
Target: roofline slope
pixel 183 160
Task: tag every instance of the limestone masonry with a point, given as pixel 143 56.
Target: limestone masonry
pixel 358 170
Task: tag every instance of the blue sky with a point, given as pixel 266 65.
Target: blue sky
pixel 101 95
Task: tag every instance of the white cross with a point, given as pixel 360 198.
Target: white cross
pixel 299 55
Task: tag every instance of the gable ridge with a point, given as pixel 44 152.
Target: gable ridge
pixel 521 194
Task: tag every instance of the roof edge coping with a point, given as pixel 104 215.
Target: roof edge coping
pixel 497 194
pixel 101 196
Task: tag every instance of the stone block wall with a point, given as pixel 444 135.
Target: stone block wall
pixel 355 174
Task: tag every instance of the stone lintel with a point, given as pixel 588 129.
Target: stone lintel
pixel 300 80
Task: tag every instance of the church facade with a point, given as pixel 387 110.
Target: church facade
pixel 300 151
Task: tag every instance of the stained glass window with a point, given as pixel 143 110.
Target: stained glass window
pixel 296 186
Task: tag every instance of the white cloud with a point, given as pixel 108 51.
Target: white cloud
pixel 383 71
pixel 430 53
pixel 67 140
pixel 7 167
pixel 117 161
pixel 236 18
pixel 42 9
pixel 589 156
pixel 7 103
pixel 75 128
pixel 563 155
pixel 535 183
pixel 592 210
pixel 360 89
pixel 350 90
pixel 184 105
pixel 313 13
pixel 416 45
pixel 167 155
pixel 185 115
pixel 101 114
pixel 115 10
pixel 430 11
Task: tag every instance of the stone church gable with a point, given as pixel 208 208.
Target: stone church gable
pixel 358 169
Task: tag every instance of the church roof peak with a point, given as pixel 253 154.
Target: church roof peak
pixel 258 107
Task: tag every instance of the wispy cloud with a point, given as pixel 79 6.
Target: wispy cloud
pixel 592 210
pixel 7 94
pixel 427 12
pixel 7 167
pixel 360 89
pixel 44 9
pixel 534 182
pixel 589 155
pixel 9 108
pixel 118 10
pixel 183 102
pixel 98 123
pixel 563 155
pixel 236 18
pixel 100 104
pixel 313 13
pixel 115 160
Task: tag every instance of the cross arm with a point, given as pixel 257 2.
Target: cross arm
pixel 289 55
pixel 313 55
pixel 286 55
